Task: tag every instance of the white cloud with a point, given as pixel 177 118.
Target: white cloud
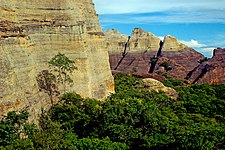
pixel 202 48
pixel 193 44
pixel 174 16
pixel 140 6
pixel 161 38
pixel 208 49
pixel 168 11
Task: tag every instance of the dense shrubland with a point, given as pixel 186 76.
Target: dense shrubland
pixel 133 118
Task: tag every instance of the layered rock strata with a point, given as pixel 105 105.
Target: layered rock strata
pixel 144 48
pixel 34 31
pixel 170 43
pixel 211 71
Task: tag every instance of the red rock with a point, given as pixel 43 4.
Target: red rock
pixel 211 71
pixel 181 64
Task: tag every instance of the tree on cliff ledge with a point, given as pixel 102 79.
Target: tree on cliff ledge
pixel 47 83
pixel 63 67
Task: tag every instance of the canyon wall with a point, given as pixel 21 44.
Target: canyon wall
pixel 211 71
pixel 144 48
pixel 147 56
pixel 34 31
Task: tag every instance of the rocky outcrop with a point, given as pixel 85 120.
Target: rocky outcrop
pixel 146 54
pixel 211 71
pixel 155 85
pixel 139 42
pixel 142 41
pixel 180 62
pixel 170 43
pixel 115 41
pixel 34 31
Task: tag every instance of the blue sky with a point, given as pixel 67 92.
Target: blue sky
pixel 198 24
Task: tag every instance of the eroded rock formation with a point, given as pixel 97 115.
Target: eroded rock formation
pixel 146 53
pixel 34 31
pixel 115 41
pixel 211 71
pixel 170 43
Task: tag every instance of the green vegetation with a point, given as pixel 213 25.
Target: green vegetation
pixel 62 66
pixel 133 118
pixel 171 82
pixel 166 65
pixel 203 60
pixel 47 83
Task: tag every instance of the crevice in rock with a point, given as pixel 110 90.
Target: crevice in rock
pixel 153 62
pixel 124 53
pixel 159 53
pixel 131 62
pixel 188 76
pixel 204 71
pixel 154 59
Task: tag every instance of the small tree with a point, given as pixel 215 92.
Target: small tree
pixel 47 82
pixel 63 66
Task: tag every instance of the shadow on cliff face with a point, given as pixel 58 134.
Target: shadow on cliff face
pixel 154 59
pixel 124 53
pixel 203 72
pixel 145 60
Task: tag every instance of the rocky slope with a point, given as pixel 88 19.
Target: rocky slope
pixel 211 71
pixel 34 31
pixel 145 53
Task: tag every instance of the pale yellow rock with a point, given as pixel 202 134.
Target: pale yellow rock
pixel 170 43
pixel 34 31
pixel 155 85
pixel 142 41
pixel 115 41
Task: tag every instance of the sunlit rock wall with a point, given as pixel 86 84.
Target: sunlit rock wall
pixel 34 31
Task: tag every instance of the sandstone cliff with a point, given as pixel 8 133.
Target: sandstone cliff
pixel 170 43
pixel 140 41
pixel 32 32
pixel 144 47
pixel 115 41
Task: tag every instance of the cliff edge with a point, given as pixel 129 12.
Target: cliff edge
pixel 34 31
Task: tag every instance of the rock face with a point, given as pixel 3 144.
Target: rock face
pixel 170 43
pixel 115 41
pixel 34 31
pixel 142 41
pixel 144 48
pixel 180 62
pixel 211 71
pixel 155 85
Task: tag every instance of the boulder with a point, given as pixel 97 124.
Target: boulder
pixel 155 85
